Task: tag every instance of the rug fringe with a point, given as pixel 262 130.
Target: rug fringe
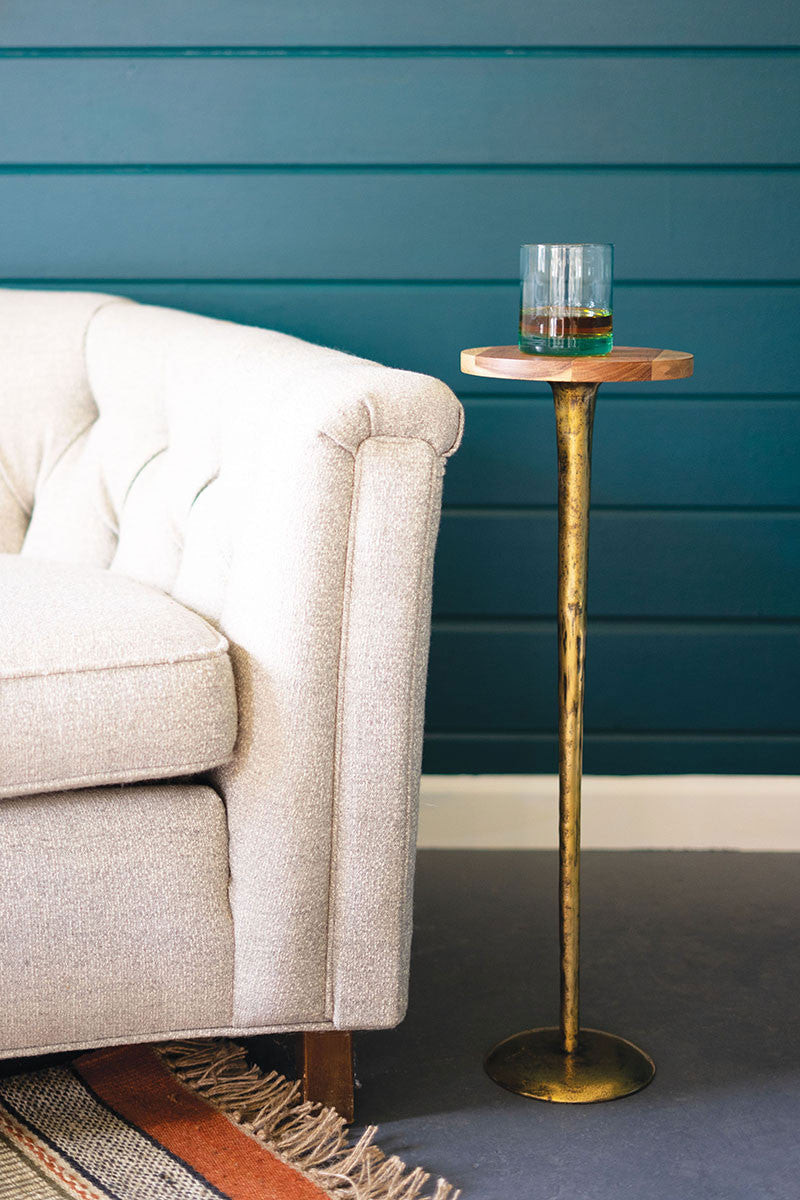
pixel 305 1135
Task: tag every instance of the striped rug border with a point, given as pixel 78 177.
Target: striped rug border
pixel 193 1120
pixel 136 1085
pixel 44 1162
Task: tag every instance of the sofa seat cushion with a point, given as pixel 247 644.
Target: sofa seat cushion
pixel 105 680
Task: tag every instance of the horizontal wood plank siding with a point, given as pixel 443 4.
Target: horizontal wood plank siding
pixel 254 224
pixel 355 23
pixel 614 754
pixel 424 326
pixel 641 564
pixel 376 109
pixel 362 175
pixel 500 676
pixel 648 452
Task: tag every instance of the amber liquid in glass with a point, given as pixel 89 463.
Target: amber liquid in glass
pixel 563 330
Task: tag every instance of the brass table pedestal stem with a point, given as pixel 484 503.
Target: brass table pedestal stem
pixel 569 1064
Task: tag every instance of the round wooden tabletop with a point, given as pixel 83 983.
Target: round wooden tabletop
pixel 632 364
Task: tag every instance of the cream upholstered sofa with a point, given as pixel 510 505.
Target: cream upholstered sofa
pixel 216 546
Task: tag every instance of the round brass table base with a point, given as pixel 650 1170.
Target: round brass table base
pixel 604 1067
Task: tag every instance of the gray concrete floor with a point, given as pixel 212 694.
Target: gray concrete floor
pixel 694 956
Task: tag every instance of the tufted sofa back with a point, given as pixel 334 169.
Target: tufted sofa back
pixel 115 420
pixel 109 440
pixel 127 431
pixel 290 494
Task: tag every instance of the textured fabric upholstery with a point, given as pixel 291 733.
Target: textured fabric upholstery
pixel 104 680
pixel 114 917
pixel 289 494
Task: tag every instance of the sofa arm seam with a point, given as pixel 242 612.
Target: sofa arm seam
pixel 430 532
pixel 344 633
pixel 397 437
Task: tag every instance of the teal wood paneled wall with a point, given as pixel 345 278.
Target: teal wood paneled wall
pixel 362 174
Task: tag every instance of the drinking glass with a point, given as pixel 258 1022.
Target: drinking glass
pixel 566 298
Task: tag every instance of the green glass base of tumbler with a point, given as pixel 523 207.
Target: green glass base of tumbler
pixel 567 347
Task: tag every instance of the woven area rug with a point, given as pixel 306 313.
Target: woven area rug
pixel 187 1121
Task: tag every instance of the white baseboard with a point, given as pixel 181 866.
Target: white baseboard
pixel 642 812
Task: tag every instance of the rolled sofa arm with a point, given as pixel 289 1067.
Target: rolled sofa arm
pixel 331 473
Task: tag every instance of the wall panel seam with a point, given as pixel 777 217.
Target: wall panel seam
pixel 412 51
pixel 422 168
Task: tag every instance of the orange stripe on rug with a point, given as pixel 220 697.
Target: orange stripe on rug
pixel 133 1082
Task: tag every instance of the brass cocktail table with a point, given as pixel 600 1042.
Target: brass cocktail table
pixel 567 1063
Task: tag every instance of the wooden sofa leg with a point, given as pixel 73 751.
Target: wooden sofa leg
pixel 327 1070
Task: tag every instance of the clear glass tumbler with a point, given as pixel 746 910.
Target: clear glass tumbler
pixel 566 298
